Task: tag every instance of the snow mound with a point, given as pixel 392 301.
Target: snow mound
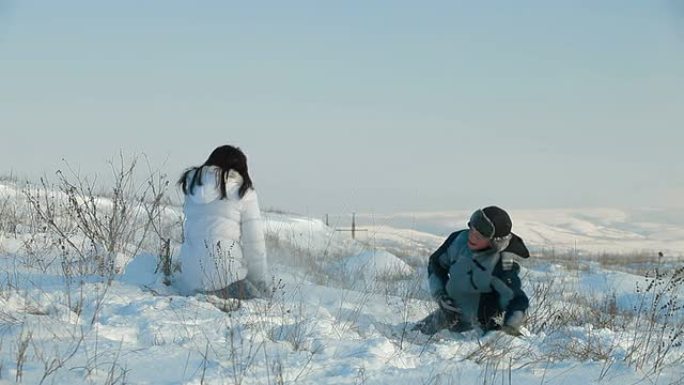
pixel 142 271
pixel 374 264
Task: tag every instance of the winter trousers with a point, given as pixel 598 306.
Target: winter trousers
pixel 242 289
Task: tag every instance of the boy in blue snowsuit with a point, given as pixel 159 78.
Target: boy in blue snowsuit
pixel 473 277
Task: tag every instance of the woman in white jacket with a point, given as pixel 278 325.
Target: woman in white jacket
pixel 223 251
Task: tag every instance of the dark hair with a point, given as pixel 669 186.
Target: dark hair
pixel 226 158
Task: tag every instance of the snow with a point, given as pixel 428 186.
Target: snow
pixel 341 313
pixel 373 264
pixel 594 230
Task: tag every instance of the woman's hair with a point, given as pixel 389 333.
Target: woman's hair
pixel 226 158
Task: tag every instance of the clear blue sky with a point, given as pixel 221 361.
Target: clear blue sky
pixel 377 106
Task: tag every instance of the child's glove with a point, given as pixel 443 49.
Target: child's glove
pixel 446 303
pixel 513 323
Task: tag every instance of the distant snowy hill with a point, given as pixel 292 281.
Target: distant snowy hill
pixel 595 230
pixel 592 230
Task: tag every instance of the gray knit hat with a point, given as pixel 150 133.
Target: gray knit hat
pixel 492 222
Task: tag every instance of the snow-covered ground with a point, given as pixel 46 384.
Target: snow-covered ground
pixel 341 312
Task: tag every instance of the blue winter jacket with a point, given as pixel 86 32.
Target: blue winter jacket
pixel 484 284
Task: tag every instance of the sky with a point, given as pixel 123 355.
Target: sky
pixel 358 106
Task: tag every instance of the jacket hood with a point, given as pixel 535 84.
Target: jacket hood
pixel 517 247
pixel 210 190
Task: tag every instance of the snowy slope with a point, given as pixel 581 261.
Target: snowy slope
pixel 307 334
pixel 341 313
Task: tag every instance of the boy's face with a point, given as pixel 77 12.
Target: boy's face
pixel 477 241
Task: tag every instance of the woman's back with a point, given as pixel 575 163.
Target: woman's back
pixel 223 233
pixel 208 218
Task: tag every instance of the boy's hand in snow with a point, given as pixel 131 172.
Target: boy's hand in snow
pixel 446 303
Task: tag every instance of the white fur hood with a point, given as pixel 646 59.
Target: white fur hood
pixel 209 189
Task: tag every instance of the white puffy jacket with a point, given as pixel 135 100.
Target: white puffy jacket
pixel 223 238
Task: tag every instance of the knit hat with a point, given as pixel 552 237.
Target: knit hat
pixel 492 222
